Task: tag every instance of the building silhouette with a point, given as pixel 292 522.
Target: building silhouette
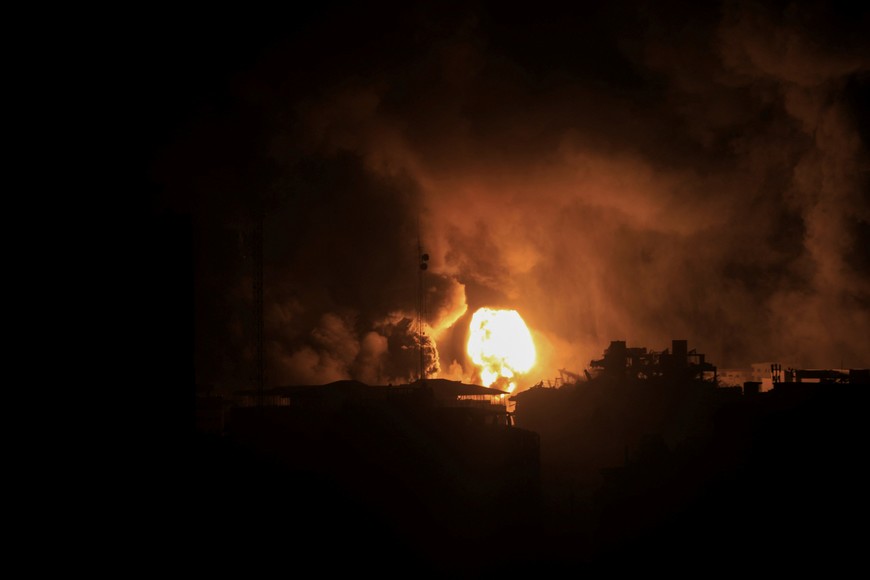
pixel 435 466
pixel 644 463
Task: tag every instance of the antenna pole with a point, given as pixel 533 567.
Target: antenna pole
pixel 421 302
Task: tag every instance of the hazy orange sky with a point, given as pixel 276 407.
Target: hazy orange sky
pixel 635 171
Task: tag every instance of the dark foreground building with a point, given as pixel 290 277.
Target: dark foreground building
pixel 431 474
pixel 649 464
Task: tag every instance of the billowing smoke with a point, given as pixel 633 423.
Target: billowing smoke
pixel 637 172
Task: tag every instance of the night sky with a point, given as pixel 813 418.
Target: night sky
pixel 638 171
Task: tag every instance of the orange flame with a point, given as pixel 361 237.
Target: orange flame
pixel 501 345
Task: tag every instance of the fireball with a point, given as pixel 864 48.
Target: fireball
pixel 501 345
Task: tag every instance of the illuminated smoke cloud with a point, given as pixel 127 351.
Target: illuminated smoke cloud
pixel 625 174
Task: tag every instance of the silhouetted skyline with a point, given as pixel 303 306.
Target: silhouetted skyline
pixel 646 465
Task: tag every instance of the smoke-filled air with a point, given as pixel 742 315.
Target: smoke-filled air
pixel 632 171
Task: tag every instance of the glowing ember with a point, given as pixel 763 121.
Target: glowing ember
pixel 500 344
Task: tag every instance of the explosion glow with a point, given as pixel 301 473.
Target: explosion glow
pixel 500 344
